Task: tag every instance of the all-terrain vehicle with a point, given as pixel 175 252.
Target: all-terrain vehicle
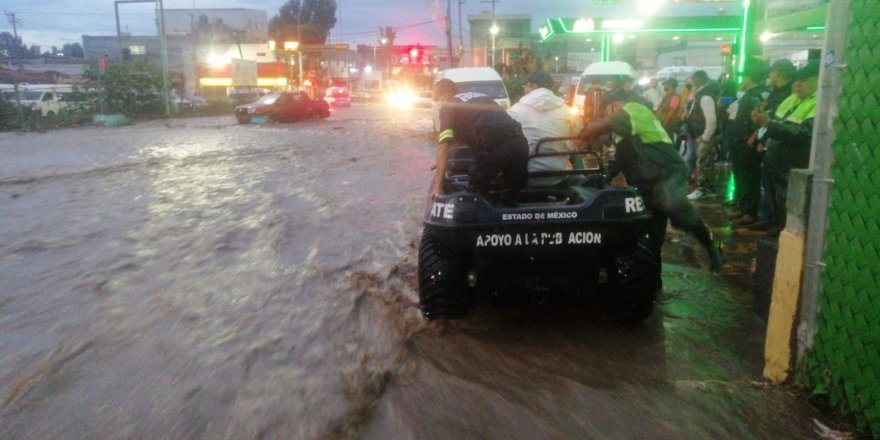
pixel 582 234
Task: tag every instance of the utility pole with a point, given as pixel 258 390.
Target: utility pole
pixel 15 23
pixel 460 36
pixel 164 52
pixel 493 5
pixel 449 32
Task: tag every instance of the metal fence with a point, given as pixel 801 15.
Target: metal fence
pixel 844 364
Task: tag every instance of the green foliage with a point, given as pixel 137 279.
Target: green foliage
pixel 133 88
pixel 306 21
pixel 72 50
pixel 8 116
pixel 11 47
pixel 514 88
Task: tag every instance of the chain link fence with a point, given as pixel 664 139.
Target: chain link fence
pixel 845 363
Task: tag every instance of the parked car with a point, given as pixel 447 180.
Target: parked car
pixel 361 97
pixel 338 97
pixel 282 107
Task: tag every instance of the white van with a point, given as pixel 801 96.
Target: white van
pixel 483 80
pixel 601 71
pixel 45 98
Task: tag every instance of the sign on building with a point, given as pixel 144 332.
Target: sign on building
pixel 244 73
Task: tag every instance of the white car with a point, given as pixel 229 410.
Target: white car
pixel 601 71
pixel 483 80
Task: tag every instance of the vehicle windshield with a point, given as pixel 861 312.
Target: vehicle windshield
pixel 31 95
pixel 587 81
pixel 492 89
pixel 268 99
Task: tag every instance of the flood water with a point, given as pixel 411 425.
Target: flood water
pixel 197 279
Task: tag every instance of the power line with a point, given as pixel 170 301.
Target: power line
pixel 406 26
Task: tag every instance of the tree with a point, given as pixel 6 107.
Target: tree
pixel 10 46
pixel 306 21
pixel 132 87
pixel 73 50
pixel 389 34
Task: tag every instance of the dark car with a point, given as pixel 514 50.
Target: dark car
pixel 282 107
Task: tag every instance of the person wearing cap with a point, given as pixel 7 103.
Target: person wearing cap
pixel 787 135
pixel 646 158
pixel 543 114
pixel 745 160
pixel 781 78
pixel 496 140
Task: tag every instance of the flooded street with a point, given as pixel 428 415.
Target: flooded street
pixel 198 279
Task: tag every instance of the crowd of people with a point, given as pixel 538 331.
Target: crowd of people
pixel 665 143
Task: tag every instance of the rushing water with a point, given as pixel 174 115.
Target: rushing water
pixel 199 279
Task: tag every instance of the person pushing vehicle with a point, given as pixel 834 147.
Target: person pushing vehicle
pixel 648 161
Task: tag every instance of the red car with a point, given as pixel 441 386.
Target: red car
pixel 282 107
pixel 338 97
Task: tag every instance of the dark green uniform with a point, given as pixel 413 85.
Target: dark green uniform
pixel 649 162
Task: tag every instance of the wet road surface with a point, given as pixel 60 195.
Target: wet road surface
pixel 198 279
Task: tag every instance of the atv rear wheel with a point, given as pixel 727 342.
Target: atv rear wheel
pixel 443 289
pixel 634 281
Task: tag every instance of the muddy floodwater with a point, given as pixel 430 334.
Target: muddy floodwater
pixel 198 279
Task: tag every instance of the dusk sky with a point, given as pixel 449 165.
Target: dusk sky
pixel 53 22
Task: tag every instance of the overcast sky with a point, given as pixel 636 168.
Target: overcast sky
pixel 50 23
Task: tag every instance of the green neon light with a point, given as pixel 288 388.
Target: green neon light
pixel 745 38
pixel 605 51
pixel 731 189
pixel 643 31
pixel 815 28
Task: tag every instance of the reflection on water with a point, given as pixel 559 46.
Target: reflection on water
pixel 207 280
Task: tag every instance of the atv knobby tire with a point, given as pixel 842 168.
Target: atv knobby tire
pixel 633 284
pixel 443 289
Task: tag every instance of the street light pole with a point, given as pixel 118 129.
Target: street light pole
pixel 557 64
pixel 494 31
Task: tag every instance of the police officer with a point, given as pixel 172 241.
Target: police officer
pixel 496 140
pixel 649 162
pixel 788 135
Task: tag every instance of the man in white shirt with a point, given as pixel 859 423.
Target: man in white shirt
pixel 543 114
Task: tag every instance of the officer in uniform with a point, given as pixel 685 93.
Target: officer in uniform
pixel 497 141
pixel 649 162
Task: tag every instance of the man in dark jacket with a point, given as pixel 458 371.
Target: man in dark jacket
pixel 646 157
pixel 788 135
pixel 746 159
pixel 497 141
pixel 702 122
pixel 781 77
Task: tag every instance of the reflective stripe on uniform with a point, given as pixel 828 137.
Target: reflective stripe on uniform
pixel 446 135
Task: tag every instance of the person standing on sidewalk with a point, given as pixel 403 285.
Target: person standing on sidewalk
pixel 788 136
pixel 746 159
pixel 702 123
pixel 781 78
pixel 669 110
